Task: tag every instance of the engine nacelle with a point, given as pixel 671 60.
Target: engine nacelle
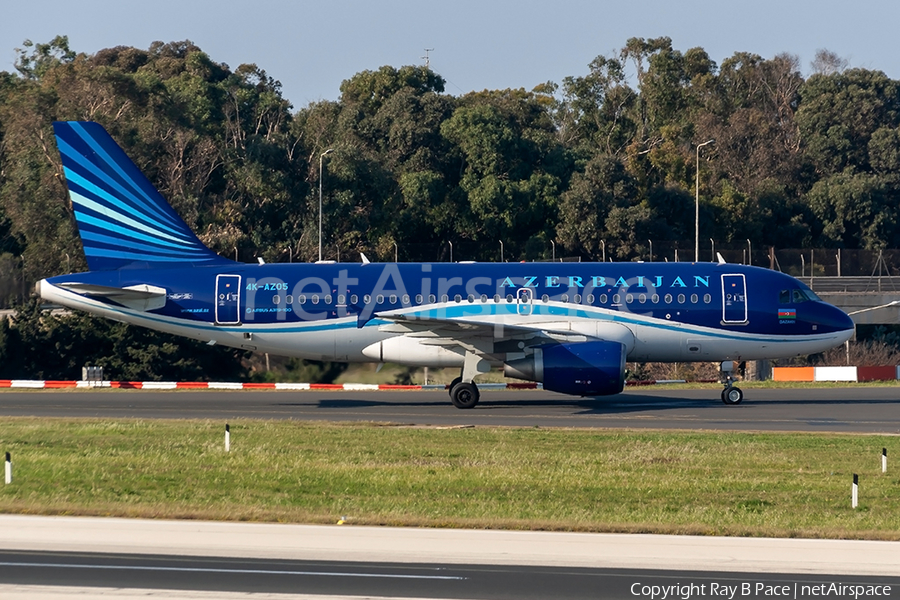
pixel 412 351
pixel 579 369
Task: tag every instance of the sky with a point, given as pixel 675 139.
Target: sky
pixel 311 47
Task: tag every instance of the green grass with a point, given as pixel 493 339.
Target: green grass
pixel 583 480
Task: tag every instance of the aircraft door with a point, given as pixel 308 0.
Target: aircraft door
pixel 734 299
pixel 228 299
pixel 524 297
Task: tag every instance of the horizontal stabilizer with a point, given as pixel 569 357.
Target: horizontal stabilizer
pixel 137 297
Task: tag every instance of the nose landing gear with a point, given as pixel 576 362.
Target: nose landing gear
pixel 731 394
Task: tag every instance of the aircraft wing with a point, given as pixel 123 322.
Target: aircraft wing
pixel 480 337
pixel 138 297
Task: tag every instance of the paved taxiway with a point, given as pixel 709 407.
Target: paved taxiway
pixel 850 410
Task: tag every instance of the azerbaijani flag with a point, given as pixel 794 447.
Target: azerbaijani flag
pixel 787 313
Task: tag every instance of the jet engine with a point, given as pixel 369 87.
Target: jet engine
pixel 579 369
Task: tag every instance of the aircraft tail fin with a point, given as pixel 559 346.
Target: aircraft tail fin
pixel 122 219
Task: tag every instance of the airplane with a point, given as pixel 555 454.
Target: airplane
pixel 570 326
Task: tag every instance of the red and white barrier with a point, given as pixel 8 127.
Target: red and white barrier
pixel 841 374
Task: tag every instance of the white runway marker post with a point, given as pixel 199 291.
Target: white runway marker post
pixel 855 500
pixel 884 460
pixel 227 438
pixel 8 469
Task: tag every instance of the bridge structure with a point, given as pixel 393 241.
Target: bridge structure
pixel 869 300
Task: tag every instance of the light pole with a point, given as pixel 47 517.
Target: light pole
pixel 697 204
pixel 553 245
pixel 451 251
pixel 321 156
pixel 501 250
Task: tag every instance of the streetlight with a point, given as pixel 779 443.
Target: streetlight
pixel 501 250
pixel 553 245
pixel 651 250
pixel 321 156
pixel 451 251
pixel 697 204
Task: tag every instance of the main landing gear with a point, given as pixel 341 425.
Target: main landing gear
pixel 463 391
pixel 731 394
pixel 464 394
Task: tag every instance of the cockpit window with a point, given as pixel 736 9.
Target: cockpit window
pixel 796 296
pixel 800 296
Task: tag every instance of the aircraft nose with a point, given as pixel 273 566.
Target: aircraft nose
pixel 832 318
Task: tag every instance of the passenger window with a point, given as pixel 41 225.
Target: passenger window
pixel 668 298
pixel 276 299
pixel 301 299
pixel 457 298
pixel 642 298
pixel 315 299
pixel 509 298
pixel 695 298
pixel 590 299
pixel 603 298
pixel 367 299
pixel 564 298
pixel 379 299
pixel 432 298
pixel 405 299
pixel 471 298
pixel 290 300
pixel 615 299
pixel 496 298
pixel 577 298
pixel 545 298
pixel 654 299
pixel 328 299
pixel 681 298
pixel 445 298
pixel 354 299
pixel 784 297
pixel 342 299
pixel 483 298
pixel 707 298
pixel 419 298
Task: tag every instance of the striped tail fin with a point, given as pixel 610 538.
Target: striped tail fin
pixel 122 219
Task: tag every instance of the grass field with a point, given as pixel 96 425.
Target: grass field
pixel 583 480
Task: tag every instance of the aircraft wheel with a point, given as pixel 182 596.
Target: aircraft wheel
pixel 453 384
pixel 464 395
pixel 732 395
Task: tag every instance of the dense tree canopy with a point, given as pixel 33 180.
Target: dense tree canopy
pixel 604 162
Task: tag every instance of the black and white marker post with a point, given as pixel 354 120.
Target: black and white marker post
pixel 884 460
pixel 855 502
pixel 227 438
pixel 8 469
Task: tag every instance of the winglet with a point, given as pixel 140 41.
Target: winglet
pixel 365 260
pixel 720 259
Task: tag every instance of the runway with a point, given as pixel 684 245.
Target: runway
pixel 106 555
pixel 845 410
